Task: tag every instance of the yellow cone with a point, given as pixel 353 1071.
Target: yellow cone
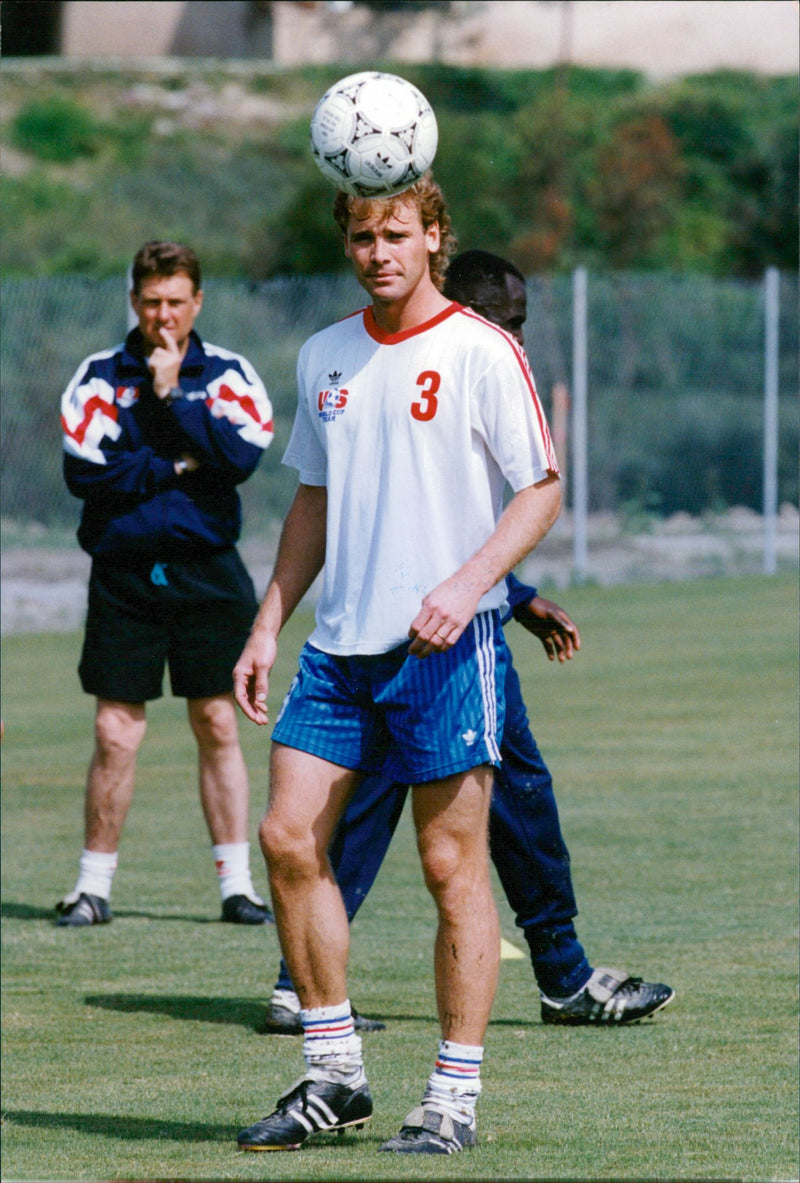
pixel 509 952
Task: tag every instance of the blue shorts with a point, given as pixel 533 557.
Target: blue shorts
pixel 430 717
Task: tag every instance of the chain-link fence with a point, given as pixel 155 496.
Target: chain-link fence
pixel 675 383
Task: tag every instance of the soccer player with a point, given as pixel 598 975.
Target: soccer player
pixel 526 844
pixel 412 415
pixel 158 433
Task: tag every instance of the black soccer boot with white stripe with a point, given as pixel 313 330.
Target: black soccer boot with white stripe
pixel 610 996
pixel 309 1107
pixel 428 1130
pixel 81 910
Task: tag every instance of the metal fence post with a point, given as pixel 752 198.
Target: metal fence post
pixel 133 319
pixel 770 508
pixel 580 487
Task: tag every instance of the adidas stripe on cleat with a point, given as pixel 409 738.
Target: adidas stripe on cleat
pixel 610 996
pixel 429 1131
pixel 79 911
pixel 309 1107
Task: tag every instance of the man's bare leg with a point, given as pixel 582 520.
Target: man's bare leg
pixel 225 798
pixel 119 730
pixel 451 817
pixel 307 798
pixel 222 772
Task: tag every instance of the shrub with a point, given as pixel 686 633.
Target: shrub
pixel 55 129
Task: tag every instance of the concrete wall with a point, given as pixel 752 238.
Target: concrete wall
pixel 658 37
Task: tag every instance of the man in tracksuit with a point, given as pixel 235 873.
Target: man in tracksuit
pixel 158 433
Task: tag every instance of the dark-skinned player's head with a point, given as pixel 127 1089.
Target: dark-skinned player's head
pixel 494 287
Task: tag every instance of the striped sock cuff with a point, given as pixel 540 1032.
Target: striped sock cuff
pixel 459 1062
pixel 327 1030
pixel 455 1083
pixel 328 1022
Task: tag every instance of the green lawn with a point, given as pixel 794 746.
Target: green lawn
pixel 129 1051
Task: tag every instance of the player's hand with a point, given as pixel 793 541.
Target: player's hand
pixel 551 624
pixel 164 364
pixel 251 676
pixel 445 613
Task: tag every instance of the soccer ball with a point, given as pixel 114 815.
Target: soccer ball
pixel 373 134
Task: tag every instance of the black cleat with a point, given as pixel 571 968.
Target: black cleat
pixel 610 996
pixel 280 1020
pixel 428 1131
pixel 309 1107
pixel 241 909
pixel 82 910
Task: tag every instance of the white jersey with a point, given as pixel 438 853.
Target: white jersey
pixel 414 434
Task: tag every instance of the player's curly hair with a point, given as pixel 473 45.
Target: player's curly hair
pixel 428 198
pixel 156 259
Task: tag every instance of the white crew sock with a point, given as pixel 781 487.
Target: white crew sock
pixel 455 1083
pixel 232 860
pixel 331 1048
pixel 96 873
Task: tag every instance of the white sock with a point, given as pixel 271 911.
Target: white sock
pixel 96 873
pixel 455 1083
pixel 331 1048
pixel 232 860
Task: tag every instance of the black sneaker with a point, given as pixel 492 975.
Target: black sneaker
pixel 82 910
pixel 280 1020
pixel 310 1107
pixel 240 909
pixel 610 996
pixel 428 1131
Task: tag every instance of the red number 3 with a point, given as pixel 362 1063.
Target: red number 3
pixel 428 404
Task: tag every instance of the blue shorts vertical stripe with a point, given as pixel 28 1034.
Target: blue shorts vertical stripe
pixel 486 658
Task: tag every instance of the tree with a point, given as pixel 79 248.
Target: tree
pixel 636 184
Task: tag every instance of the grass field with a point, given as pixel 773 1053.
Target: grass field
pixel 130 1052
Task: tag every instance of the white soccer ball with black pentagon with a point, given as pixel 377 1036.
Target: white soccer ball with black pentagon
pixel 373 134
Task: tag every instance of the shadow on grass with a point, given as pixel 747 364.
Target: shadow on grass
pixel 115 1126
pixel 196 1008
pixel 148 1129
pixel 241 1012
pixel 11 911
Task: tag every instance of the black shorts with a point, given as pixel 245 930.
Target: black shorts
pixel 193 615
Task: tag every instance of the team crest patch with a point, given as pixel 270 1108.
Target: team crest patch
pixel 332 401
pixel 126 396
